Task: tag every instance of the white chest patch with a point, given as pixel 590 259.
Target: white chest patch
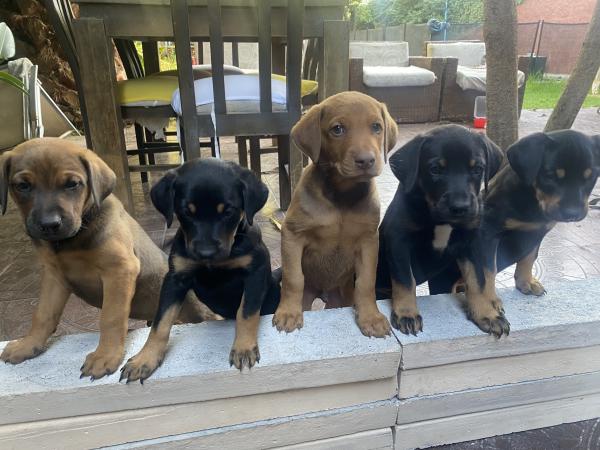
pixel 441 235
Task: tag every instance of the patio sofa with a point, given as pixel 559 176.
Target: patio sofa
pixel 409 86
pixel 465 77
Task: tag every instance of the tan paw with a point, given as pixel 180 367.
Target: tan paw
pixel 141 366
pixel 373 324
pixel 490 318
pixel 530 287
pixel 99 363
pixel 20 350
pixel 288 320
pixel 244 356
pixel 408 322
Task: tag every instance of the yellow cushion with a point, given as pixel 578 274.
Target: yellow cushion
pixel 307 87
pixel 148 89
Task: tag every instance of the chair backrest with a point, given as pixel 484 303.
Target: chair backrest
pixel 384 53
pixel 130 58
pixel 263 122
pixel 470 54
pixel 61 18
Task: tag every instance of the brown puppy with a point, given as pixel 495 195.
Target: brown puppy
pixel 329 239
pixel 87 244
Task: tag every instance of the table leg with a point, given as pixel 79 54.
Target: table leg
pixel 98 80
pixel 336 61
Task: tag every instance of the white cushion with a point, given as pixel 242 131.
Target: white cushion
pixel 470 54
pixel 242 95
pixel 382 76
pixel 380 53
pixel 475 78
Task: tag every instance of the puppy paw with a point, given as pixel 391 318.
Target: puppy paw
pixel 288 320
pixel 373 324
pixel 407 322
pixel 99 363
pixel 243 356
pixel 530 287
pixel 490 319
pixel 20 350
pixel 140 367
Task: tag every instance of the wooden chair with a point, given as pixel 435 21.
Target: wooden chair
pixel 265 121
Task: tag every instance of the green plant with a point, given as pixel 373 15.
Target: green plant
pixel 13 81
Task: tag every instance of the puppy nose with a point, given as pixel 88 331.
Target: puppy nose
pixel 460 207
pixel 364 160
pixel 50 223
pixel 572 214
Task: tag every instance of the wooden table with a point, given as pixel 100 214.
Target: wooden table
pixel 150 20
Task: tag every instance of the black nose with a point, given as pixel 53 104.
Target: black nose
pixel 50 223
pixel 364 161
pixel 572 214
pixel 459 208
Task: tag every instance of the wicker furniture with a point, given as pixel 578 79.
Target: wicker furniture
pixel 407 104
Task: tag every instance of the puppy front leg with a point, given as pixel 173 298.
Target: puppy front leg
pixel 118 290
pixel 405 314
pixel 483 305
pixel 524 279
pixel 288 316
pixel 370 321
pixel 53 297
pixel 150 357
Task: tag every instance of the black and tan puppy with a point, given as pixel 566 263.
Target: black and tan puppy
pixel 329 239
pixel 549 180
pixel 87 245
pixel 435 211
pixel 217 253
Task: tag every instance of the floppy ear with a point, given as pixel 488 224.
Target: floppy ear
pixel 162 195
pixel 255 194
pixel 493 158
pixel 101 179
pixel 390 130
pixel 405 162
pixel 4 174
pixel 306 134
pixel 526 155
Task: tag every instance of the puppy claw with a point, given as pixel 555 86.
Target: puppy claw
pixel 288 321
pixel 21 350
pixel 531 287
pixel 244 357
pixel 497 326
pixel 407 324
pixel 139 367
pixel 99 364
pixel 374 325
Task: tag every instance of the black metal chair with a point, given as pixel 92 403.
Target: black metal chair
pixel 264 122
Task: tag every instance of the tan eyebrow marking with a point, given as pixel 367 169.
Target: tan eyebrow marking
pixel 220 208
pixel 560 173
pixel 442 162
pixel 587 173
pixel 472 163
pixel 192 208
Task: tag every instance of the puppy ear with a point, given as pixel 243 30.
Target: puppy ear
pixel 405 162
pixel 101 179
pixel 596 149
pixel 4 175
pixel 493 158
pixel 526 155
pixel 162 195
pixel 390 130
pixel 255 194
pixel 306 134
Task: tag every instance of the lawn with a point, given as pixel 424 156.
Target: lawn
pixel 543 93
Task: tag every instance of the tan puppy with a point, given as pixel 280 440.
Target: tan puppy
pixel 87 245
pixel 329 239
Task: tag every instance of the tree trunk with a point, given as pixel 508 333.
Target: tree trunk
pixel 581 79
pixel 500 35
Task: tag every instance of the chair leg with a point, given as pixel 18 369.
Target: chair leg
pixel 285 185
pixel 150 153
pixel 242 151
pixel 255 155
pixel 139 139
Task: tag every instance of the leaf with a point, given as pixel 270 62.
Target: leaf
pixel 13 81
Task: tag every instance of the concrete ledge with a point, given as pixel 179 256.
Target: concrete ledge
pixel 329 350
pixel 568 316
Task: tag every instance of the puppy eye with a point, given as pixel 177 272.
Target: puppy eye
pixel 72 185
pixel 376 127
pixel 23 187
pixel 337 130
pixel 477 171
pixel 436 170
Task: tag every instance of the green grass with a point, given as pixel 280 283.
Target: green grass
pixel 543 93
